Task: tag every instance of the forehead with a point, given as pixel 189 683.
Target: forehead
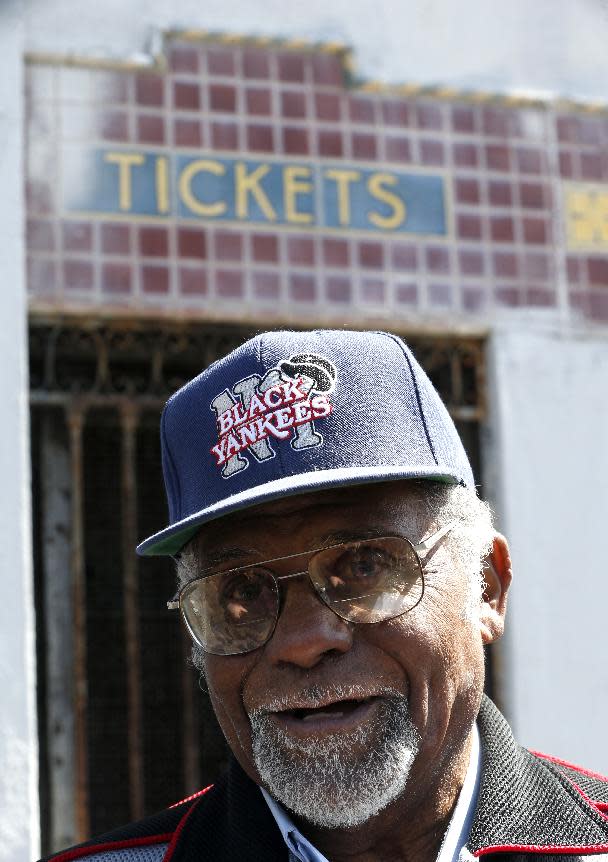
pixel 395 506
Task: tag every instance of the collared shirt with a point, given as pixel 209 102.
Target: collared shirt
pixel 453 846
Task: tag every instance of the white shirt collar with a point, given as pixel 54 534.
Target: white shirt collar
pixel 453 847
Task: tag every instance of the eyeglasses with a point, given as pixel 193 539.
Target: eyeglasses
pixel 366 581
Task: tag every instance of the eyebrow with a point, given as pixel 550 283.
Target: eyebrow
pixel 225 555
pixel 337 536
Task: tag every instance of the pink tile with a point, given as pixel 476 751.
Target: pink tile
pixel 113 125
pixel 566 165
pixel 468 227
pixel 186 96
pixel 259 101
pixel 530 161
pixel 192 281
pixel 474 298
pixel 591 131
pixel 361 109
pixel 153 242
pixel 187 133
pixel 40 235
pixel 338 289
pixel 39 197
pixel 406 294
pixel 116 278
pixel 222 98
pixel 301 250
pixel 150 129
pixel 597 270
pixel 224 136
pixel 328 107
pixel 500 193
pixel 302 288
pixel 573 268
pixel 77 236
pixel 295 141
pixel 291 67
pixel 440 295
pixel 429 116
pixel 372 290
pixel 498 157
pixel 539 297
pixel 335 252
pixel 327 69
pixel 265 247
pixel 467 191
pixel 191 242
pixel 220 61
pixel 502 229
pixel 532 195
pixel 398 150
pixel 266 285
pixel 437 259
pixel 395 113
pixel 184 59
pixel 506 265
pixel 78 274
pixel 593 166
pixel 41 275
pixel 260 138
pixel 537 267
pixel 471 262
pixel 149 90
pixel 330 144
pixel 229 284
pixel 431 152
pixel 155 279
pixel 500 122
pixel 465 155
pixel 256 64
pixel 116 238
pixel 536 231
pixel 228 245
pixel 463 119
pixel 364 146
pixel 371 255
pixel 293 104
pixel 508 297
pixel 598 305
pixel 404 256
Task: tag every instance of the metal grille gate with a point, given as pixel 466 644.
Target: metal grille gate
pixel 124 730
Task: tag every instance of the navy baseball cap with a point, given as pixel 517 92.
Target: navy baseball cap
pixel 290 412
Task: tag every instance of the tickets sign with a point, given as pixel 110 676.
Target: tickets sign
pixel 330 195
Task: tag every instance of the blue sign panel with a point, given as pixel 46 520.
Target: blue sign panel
pixel 206 187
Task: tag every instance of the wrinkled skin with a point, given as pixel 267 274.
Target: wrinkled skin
pixel 433 654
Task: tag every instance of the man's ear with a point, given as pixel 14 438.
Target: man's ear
pixel 497 575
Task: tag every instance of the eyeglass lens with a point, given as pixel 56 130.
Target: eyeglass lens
pixel 363 582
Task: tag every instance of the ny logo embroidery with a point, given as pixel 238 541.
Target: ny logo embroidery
pixel 282 404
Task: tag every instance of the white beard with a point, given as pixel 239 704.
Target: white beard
pixel 343 779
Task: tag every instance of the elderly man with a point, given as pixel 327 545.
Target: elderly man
pixel 339 578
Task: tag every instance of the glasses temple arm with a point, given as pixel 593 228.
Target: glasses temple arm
pixel 429 543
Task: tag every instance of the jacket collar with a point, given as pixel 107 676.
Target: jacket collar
pixel 526 804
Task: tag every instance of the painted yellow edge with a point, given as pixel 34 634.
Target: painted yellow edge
pixel 158 63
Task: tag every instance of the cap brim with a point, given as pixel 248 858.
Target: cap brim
pixel 170 540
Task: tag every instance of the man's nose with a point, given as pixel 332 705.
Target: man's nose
pixel 307 630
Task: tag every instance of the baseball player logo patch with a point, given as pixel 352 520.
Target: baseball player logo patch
pixel 284 404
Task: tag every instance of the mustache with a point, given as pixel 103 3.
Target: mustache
pixel 315 696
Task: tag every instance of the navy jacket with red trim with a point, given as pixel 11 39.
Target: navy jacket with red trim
pixel 530 807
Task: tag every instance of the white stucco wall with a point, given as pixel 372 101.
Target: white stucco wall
pixel 19 816
pixel 549 404
pixel 548 46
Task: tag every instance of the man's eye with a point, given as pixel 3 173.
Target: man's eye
pixel 242 588
pixel 361 564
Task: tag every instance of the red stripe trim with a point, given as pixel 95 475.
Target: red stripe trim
pixel 545 848
pixel 79 852
pixel 561 762
pixel 190 798
pixel 587 799
pixel 176 835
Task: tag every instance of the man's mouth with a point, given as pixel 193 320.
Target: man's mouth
pixel 338 709
pixel 337 716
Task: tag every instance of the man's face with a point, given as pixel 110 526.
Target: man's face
pixel 401 693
